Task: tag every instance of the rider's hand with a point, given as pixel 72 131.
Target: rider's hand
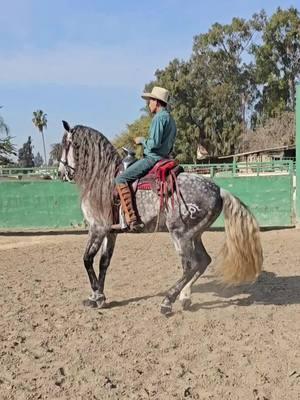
pixel 138 140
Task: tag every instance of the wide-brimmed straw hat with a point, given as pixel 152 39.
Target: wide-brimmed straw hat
pixel 157 93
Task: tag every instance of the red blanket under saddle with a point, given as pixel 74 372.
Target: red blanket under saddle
pixel 162 179
pixel 159 172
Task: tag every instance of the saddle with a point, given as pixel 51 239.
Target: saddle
pixel 162 179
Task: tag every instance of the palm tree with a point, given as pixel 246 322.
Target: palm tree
pixel 40 122
pixel 56 151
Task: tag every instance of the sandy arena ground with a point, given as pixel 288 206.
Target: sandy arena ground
pixel 239 343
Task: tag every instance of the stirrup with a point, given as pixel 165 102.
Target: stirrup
pixel 136 226
pixel 122 225
pixel 119 228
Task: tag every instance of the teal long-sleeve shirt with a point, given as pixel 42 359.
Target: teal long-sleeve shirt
pixel 162 133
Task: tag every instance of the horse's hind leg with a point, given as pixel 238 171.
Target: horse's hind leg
pixel 203 262
pixel 186 250
pixel 194 262
pixel 185 294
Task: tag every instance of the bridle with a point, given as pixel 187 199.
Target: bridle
pixel 68 168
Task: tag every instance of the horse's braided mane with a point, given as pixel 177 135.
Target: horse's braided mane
pixel 96 161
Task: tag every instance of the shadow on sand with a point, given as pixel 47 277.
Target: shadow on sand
pixel 125 302
pixel 269 289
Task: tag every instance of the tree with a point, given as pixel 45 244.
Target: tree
pixel 276 132
pixel 6 146
pixel 40 122
pixel 139 127
pixel 55 153
pixel 228 91
pixel 38 160
pixel 3 127
pixel 278 64
pixel 26 154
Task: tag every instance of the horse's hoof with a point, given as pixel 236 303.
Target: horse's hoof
pixel 101 303
pixel 185 303
pixel 90 303
pixel 166 308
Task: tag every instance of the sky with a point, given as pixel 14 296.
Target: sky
pixel 87 62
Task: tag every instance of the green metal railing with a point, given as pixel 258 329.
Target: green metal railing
pixel 225 169
pixel 28 173
pixel 242 168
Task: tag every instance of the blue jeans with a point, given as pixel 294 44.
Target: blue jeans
pixel 135 171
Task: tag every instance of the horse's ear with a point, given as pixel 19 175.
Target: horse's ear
pixel 66 126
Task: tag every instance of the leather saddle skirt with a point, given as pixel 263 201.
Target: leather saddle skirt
pixel 161 176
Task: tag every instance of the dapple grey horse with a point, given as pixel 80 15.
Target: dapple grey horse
pixel 92 162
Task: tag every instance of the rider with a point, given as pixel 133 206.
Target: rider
pixel 159 144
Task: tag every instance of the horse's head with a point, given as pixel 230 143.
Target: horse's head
pixel 66 169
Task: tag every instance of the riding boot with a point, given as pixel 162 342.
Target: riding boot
pixel 127 205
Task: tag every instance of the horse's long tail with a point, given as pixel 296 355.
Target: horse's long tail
pixel 241 257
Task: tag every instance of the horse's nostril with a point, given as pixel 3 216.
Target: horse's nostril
pixel 58 174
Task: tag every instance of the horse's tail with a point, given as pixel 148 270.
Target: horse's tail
pixel 241 257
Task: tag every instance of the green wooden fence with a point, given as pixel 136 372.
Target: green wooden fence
pixel 39 205
pixel 27 203
pixel 270 198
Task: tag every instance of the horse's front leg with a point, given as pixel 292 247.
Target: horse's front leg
pixel 95 240
pixel 107 249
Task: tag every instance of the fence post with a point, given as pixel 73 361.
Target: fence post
pixel 234 168
pixel 298 155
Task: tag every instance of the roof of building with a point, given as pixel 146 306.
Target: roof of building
pixel 269 149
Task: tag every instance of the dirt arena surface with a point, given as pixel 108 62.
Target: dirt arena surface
pixel 234 343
